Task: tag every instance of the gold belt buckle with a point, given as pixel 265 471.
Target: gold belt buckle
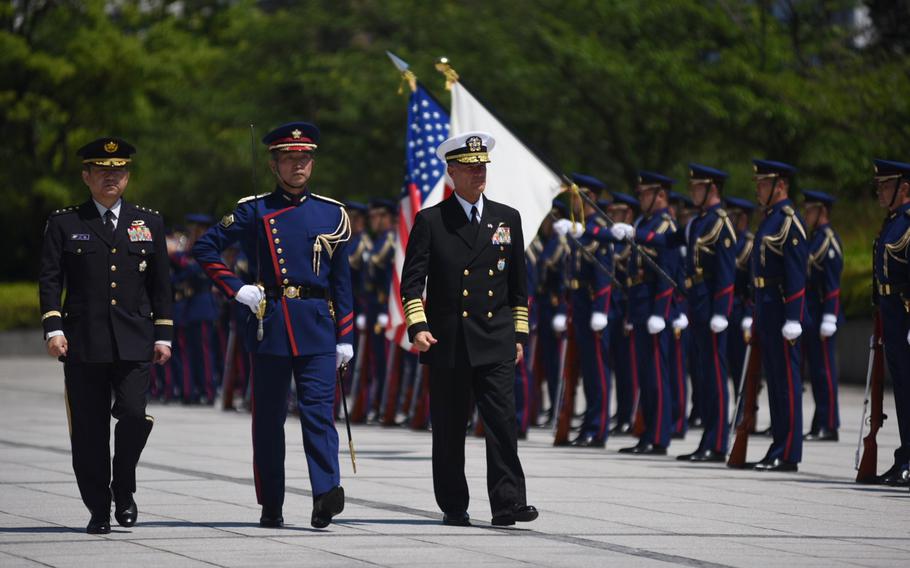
pixel 688 283
pixel 291 291
pixel 574 284
pixel 884 289
pixel 759 282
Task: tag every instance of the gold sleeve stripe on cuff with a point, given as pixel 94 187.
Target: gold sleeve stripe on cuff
pixel 51 314
pixel 418 317
pixel 164 322
pixel 521 327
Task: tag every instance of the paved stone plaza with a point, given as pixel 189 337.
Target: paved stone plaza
pixel 597 508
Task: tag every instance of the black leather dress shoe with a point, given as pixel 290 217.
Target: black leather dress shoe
pixel 896 476
pixel 125 510
pixel 327 506
pixel 621 429
pixel 99 524
pixel 766 432
pixel 588 442
pixel 776 464
pixel 645 449
pixel 706 455
pixel 678 436
pixel 821 435
pixel 271 518
pixel 456 519
pixel 518 514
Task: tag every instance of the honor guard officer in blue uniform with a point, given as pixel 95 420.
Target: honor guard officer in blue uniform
pixel 622 209
pixel 740 212
pixel 650 307
pixel 379 270
pixel 199 341
pixel 302 273
pixel 824 315
pixel 110 259
pixel 468 252
pixel 590 288
pixel 891 290
pixel 779 264
pixel 358 247
pixel 551 286
pixel 710 272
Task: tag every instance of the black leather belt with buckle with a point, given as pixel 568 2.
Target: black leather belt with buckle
pixel 303 292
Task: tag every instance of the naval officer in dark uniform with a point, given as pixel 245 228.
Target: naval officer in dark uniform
pixel 469 251
pixel 303 275
pixel 111 259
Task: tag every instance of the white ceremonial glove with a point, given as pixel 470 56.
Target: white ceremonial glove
pixel 249 296
pixel 361 322
pixel 718 323
pixel 622 231
pixel 829 325
pixel 344 352
pixel 680 323
pixel 382 320
pixel 562 227
pixel 577 230
pixel 746 324
pixel 559 323
pixel 656 325
pixel 791 330
pixel 599 321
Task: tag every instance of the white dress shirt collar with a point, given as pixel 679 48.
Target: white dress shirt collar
pixel 116 209
pixel 467 207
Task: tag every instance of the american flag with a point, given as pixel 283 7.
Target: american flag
pixel 424 185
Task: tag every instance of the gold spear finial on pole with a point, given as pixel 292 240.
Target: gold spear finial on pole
pixel 445 68
pixel 407 76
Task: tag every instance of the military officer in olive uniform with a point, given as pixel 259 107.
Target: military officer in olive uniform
pixel 110 258
pixel 469 252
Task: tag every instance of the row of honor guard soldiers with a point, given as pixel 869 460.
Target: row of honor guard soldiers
pixel 671 289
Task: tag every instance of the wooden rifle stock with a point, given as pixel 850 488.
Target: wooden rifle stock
pixel 866 472
pixel 749 404
pixel 569 384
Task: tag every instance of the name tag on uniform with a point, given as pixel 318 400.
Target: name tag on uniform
pixel 80 237
pixel 140 233
pixel 502 236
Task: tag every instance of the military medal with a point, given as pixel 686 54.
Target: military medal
pixel 501 264
pixel 142 265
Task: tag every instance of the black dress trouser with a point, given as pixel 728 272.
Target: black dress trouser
pixel 89 410
pixel 450 406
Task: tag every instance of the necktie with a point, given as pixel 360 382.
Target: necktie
pixel 475 218
pixel 109 222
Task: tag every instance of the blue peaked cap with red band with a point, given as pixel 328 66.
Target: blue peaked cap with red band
pixel 293 137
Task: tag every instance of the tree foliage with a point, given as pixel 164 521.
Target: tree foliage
pixel 602 87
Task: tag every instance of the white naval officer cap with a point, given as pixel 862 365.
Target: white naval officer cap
pixel 468 148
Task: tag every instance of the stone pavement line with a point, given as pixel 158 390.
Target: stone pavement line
pixel 390 507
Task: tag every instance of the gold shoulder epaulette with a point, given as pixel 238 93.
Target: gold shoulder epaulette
pixel 327 199
pixel 250 198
